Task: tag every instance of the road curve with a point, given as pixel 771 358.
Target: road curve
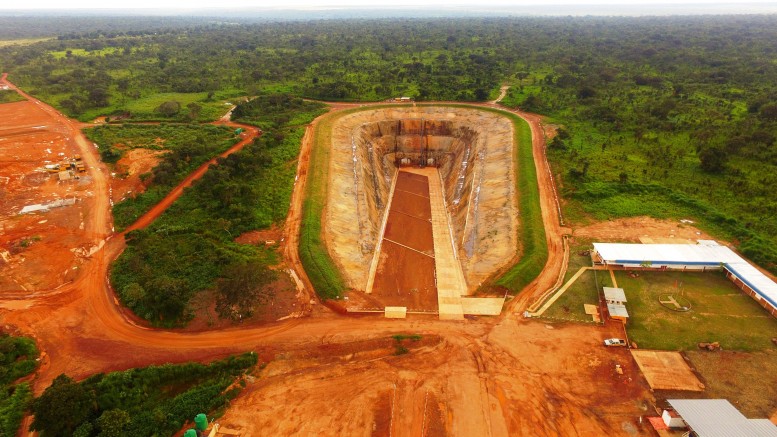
pixel 84 331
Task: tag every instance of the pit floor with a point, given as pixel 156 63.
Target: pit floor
pixel 406 269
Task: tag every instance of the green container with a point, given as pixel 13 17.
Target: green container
pixel 238 131
pixel 190 433
pixel 201 422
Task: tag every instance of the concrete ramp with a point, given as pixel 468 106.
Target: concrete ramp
pixel 451 284
pixel 482 306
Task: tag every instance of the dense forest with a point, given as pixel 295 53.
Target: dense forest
pixel 671 116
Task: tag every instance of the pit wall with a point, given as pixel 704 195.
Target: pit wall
pixel 474 152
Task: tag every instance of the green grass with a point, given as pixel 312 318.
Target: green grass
pixel 144 108
pixel 720 312
pixel 585 290
pixel 10 96
pixel 400 337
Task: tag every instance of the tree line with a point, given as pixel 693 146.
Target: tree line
pixel 686 103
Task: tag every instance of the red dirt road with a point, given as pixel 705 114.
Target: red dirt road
pixel 497 376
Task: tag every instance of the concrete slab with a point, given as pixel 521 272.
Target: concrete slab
pixel 482 306
pixel 395 312
pixel 376 253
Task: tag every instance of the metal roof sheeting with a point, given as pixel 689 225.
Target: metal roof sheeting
pixel 764 426
pixel 616 294
pixel 718 418
pixel 617 310
pixel 691 254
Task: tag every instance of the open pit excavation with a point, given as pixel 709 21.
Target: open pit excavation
pixel 422 205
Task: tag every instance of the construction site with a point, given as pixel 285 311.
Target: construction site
pixel 47 191
pixel 421 209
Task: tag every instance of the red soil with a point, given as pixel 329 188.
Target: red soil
pixel 404 276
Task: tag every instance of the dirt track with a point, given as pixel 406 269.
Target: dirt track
pixel 250 133
pixel 501 376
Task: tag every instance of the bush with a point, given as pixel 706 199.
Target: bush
pixel 155 400
pixel 18 357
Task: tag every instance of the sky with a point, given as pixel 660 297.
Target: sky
pixel 337 4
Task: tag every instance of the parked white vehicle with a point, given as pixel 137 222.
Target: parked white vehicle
pixel 614 342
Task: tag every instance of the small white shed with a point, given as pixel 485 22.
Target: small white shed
pixel 614 296
pixel 618 312
pixel 672 419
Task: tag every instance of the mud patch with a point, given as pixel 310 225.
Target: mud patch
pixel 633 228
pixel 133 172
pixel 269 236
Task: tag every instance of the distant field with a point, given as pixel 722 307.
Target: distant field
pixel 145 108
pixel 21 42
pixel 719 312
pixel 82 52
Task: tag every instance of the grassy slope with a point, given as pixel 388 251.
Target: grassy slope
pixel 9 96
pixel 319 266
pixel 535 249
pixel 322 270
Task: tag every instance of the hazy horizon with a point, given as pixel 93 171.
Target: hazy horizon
pixel 354 9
